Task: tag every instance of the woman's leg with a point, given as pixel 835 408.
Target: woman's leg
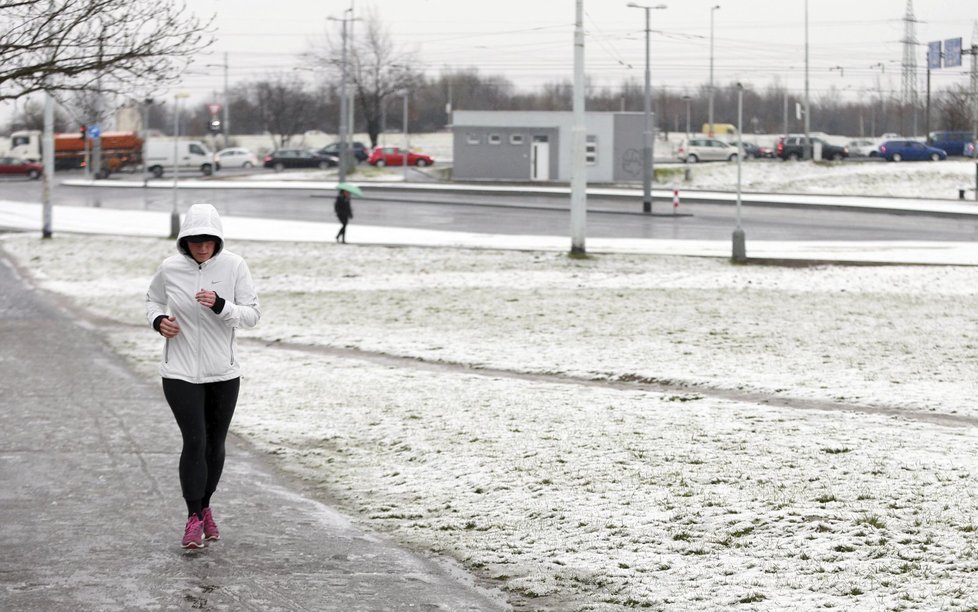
pixel 187 403
pixel 221 398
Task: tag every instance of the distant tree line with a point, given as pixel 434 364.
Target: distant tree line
pixel 380 74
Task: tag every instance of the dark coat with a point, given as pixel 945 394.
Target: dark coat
pixel 342 207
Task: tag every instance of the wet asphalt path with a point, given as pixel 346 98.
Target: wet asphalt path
pixel 91 511
pixel 527 214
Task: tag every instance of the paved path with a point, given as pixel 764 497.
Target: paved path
pixel 91 513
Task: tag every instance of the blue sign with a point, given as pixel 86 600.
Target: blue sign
pixel 94 131
pixel 952 52
pixel 934 55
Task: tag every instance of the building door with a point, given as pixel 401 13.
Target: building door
pixel 540 168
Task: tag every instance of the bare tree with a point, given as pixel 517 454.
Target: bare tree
pixel 377 69
pixel 68 45
pixel 284 107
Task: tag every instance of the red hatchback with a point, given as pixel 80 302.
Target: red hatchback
pixel 394 156
pixel 12 165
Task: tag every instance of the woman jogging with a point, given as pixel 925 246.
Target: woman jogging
pixel 196 300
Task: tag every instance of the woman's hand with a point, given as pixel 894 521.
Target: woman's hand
pixel 169 327
pixel 206 298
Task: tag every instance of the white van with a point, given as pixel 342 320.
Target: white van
pixel 192 155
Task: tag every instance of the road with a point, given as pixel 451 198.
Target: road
pixel 527 214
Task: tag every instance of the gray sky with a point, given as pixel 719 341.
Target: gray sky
pixel 530 42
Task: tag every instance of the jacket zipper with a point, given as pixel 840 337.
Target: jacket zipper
pixel 231 346
pixel 200 273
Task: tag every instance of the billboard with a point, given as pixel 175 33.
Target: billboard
pixel 934 55
pixel 952 52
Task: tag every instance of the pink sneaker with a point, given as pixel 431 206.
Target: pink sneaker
pixel 211 532
pixel 193 535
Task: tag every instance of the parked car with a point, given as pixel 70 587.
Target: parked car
pixel 235 157
pixel 12 165
pixel 394 156
pixel 953 143
pixel 360 150
pixel 705 149
pixel 280 159
pixel 864 147
pixel 910 150
pixel 753 151
pixel 793 148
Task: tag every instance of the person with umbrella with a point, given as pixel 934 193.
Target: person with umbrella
pixel 343 209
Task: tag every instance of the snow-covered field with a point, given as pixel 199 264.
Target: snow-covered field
pixel 617 432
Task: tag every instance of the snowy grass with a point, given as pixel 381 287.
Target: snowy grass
pixel 576 492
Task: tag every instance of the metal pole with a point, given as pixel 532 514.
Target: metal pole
pixel 343 111
pixel 711 130
pixel 47 150
pixel 688 100
pixel 647 133
pixel 227 101
pixel 739 246
pixel 578 203
pixel 404 157
pixel 175 212
pixel 807 148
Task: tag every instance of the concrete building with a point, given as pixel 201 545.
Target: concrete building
pixel 536 145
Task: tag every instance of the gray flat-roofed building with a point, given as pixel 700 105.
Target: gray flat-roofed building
pixel 536 145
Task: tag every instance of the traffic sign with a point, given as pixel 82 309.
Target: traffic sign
pixel 214 108
pixel 952 52
pixel 934 55
pixel 94 131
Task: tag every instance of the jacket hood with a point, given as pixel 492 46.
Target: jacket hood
pixel 201 219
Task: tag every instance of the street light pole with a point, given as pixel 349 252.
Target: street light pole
pixel 710 118
pixel 648 168
pixel 806 151
pixel 687 99
pixel 175 212
pixel 739 246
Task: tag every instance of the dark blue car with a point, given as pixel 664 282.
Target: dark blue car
pixel 953 143
pixel 910 150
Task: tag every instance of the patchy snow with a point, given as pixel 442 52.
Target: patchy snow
pixel 581 488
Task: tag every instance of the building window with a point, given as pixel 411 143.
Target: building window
pixel 591 150
pixel 495 139
pixel 516 139
pixel 472 138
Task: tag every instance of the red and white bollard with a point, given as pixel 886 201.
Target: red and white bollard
pixel 675 198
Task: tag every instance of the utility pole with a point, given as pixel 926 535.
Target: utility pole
pixel 344 101
pixel 47 151
pixel 909 65
pixel 648 146
pixel 227 101
pixel 806 151
pixel 711 130
pixel 578 202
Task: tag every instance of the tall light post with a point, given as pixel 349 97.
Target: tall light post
pixel 647 148
pixel 687 100
pixel 807 148
pixel 407 145
pixel 739 242
pixel 344 113
pixel 175 212
pixel 578 203
pixel 710 118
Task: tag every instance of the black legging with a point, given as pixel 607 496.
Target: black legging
pixel 203 413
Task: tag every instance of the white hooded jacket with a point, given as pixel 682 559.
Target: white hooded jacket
pixel 205 349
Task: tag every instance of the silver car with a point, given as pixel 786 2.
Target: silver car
pixel 705 149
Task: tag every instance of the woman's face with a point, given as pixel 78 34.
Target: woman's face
pixel 201 251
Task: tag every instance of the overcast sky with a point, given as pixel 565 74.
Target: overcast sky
pixel 530 42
